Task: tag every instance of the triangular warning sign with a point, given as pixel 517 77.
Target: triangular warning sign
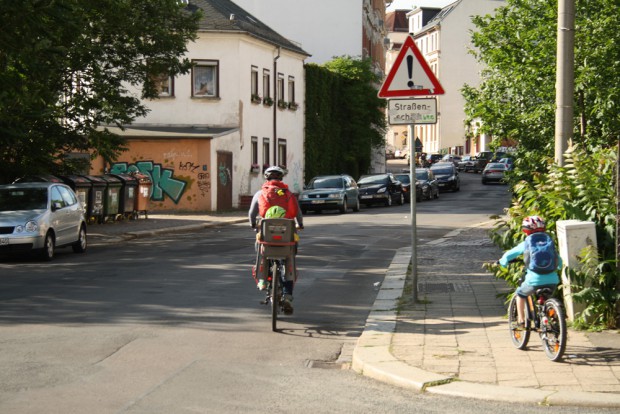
pixel 410 75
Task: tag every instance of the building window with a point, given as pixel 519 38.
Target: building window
pixel 266 152
pixel 205 78
pixel 282 152
pixel 164 85
pixel 254 81
pixel 266 84
pixel 280 87
pixel 254 150
pixel 291 89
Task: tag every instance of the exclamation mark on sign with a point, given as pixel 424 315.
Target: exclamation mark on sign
pixel 410 70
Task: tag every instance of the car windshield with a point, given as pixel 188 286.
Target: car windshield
pixel 403 178
pixel 421 175
pixel 443 170
pixel 373 179
pixel 12 199
pixel 326 183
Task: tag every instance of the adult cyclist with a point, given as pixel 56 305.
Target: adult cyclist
pixel 275 193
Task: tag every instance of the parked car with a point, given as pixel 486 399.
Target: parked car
pixel 330 192
pixel 466 163
pixel 433 158
pixel 389 152
pixel 485 157
pixel 380 188
pixel 401 154
pixel 426 180
pixel 454 159
pixel 40 217
pixel 447 176
pixel 405 180
pixel 509 161
pixel 494 172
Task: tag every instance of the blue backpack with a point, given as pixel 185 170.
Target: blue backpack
pixel 540 255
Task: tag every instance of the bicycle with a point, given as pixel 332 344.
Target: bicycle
pixel 545 315
pixel 276 243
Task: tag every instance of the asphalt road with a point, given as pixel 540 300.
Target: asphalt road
pixel 173 324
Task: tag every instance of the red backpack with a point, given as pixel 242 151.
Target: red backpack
pixel 276 193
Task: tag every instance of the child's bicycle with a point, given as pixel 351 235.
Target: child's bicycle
pixel 545 315
pixel 276 243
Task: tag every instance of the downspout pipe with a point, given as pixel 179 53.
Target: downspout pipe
pixel 275 108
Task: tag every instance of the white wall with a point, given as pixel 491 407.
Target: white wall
pixel 324 28
pixel 236 55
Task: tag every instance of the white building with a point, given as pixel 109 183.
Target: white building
pixel 207 140
pixel 445 41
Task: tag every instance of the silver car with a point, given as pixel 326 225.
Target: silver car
pixel 494 172
pixel 40 217
pixel 330 192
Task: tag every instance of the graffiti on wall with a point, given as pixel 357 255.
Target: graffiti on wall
pixel 162 178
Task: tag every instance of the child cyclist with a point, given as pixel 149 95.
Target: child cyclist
pixel 541 260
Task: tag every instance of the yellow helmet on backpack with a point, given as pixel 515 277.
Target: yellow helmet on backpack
pixel 275 212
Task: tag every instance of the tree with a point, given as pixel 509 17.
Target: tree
pixel 516 98
pixel 65 66
pixel 344 120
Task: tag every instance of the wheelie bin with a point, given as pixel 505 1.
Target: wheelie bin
pixel 129 189
pixel 94 211
pixel 111 197
pixel 82 187
pixel 144 194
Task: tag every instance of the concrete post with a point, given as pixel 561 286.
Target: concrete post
pixel 573 236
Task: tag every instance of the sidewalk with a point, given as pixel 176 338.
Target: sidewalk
pixel 454 341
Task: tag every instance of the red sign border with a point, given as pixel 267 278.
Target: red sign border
pixel 384 92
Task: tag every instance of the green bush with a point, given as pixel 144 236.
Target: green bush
pixel 582 189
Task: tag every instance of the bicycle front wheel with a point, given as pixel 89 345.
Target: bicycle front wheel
pixel 553 330
pixel 519 337
pixel 275 296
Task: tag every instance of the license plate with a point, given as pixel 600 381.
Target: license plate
pixel 366 196
pixel 4 241
pixel 318 201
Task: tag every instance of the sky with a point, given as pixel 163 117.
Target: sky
pixel 409 4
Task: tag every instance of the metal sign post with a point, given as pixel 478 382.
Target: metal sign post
pixel 411 76
pixel 413 203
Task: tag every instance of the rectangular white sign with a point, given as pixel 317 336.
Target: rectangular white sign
pixel 412 111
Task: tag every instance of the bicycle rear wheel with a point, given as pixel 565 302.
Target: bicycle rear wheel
pixel 519 337
pixel 553 330
pixel 275 295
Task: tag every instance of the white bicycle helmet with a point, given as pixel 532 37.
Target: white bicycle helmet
pixel 533 224
pixel 274 173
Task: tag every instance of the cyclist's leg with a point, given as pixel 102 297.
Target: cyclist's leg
pixel 523 291
pixel 261 268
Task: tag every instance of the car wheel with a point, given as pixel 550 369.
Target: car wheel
pixel 80 245
pixel 344 207
pixel 429 196
pixel 47 253
pixel 356 207
pixel 304 211
pixel 484 181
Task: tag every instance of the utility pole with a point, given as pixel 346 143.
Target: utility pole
pixel 565 78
